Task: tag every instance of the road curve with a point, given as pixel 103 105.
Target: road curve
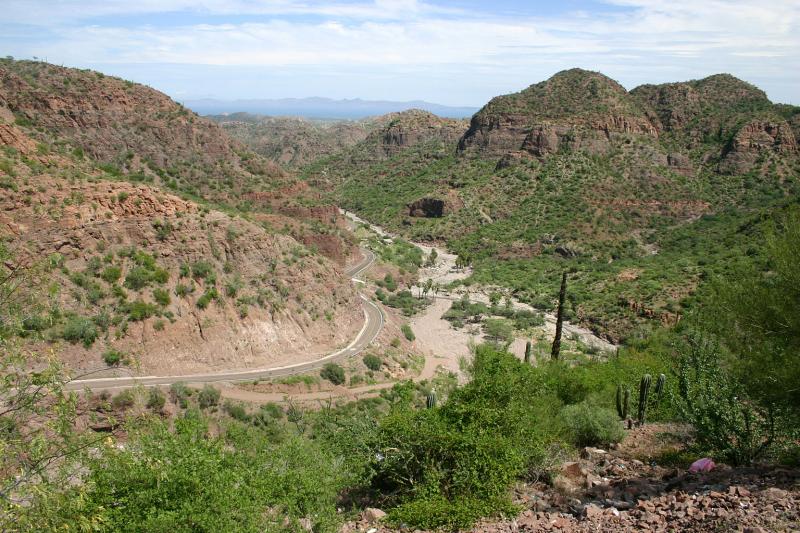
pixel 373 323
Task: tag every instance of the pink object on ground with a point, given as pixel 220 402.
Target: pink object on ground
pixel 702 465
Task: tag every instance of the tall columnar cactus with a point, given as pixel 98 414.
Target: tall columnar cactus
pixel 626 403
pixel 430 401
pixel 662 379
pixel 644 393
pixel 619 401
pixel 556 351
pixel 528 352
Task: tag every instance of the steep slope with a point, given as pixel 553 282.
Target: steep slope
pixel 577 173
pixel 141 135
pixel 130 127
pixel 141 275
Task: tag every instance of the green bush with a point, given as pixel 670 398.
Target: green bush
pixel 124 399
pixel 138 278
pixel 726 421
pixel 179 394
pixel 80 329
pixel 372 361
pixel 156 399
pixel 449 466
pixel 111 274
pixel 207 297
pixel 592 426
pixel 236 411
pixel 140 310
pixel 333 373
pixel 190 479
pixel 161 297
pixel 208 397
pixel 408 332
pixel 202 269
pixel 113 357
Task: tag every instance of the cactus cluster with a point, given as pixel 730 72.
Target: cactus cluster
pixel 623 399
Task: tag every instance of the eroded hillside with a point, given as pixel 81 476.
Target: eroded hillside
pixel 141 276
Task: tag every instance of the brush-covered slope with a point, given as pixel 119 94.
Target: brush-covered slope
pixel 139 274
pixel 644 193
pixel 292 141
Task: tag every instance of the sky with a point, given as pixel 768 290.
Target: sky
pixel 454 52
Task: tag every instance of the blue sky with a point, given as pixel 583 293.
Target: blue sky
pixel 457 52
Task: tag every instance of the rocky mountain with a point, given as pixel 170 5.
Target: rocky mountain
pixel 576 172
pixel 144 272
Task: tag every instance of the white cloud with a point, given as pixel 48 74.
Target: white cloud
pixel 648 40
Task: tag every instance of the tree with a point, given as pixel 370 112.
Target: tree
pixel 556 351
pixel 38 441
pixel 754 314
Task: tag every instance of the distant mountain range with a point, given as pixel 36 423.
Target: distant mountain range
pixel 322 107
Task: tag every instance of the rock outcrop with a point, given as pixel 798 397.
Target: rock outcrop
pixel 755 139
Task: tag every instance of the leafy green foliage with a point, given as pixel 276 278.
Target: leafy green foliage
pixel 408 333
pixel 372 361
pixel 237 482
pixel 448 466
pixel 333 373
pixel 592 426
pixel 727 422
pixel 113 357
pixel 208 396
pixel 80 329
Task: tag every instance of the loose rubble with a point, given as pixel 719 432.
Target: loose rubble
pixel 611 491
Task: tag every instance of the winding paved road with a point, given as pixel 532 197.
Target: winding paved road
pixel 373 322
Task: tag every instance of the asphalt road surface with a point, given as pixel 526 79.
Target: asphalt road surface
pixel 373 322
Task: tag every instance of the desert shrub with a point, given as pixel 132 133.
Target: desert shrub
pixel 449 466
pixel 161 297
pixel 408 333
pixel 208 397
pixel 111 274
pixel 589 425
pixel 139 310
pixel 236 411
pixel 333 373
pixel 138 278
pixel 372 361
pixel 156 399
pixel 124 399
pixel 113 357
pixel 207 297
pixel 202 269
pixel 80 329
pixel 498 330
pixel 179 394
pixel 159 325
